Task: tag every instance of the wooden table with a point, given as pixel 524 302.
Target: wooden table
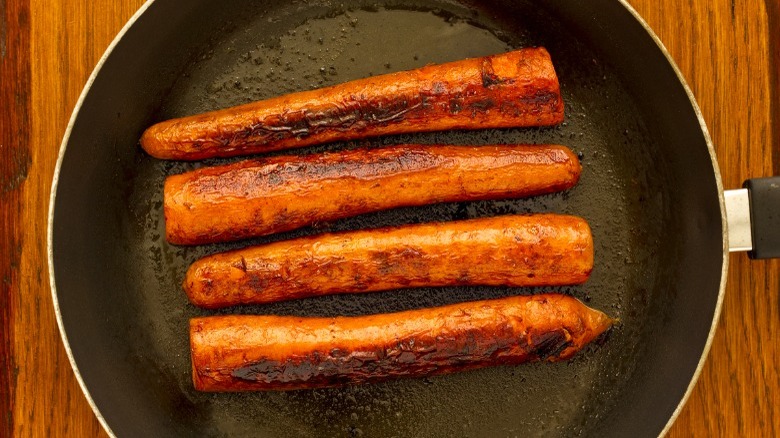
pixel 728 50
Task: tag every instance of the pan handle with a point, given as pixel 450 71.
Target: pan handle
pixel 753 214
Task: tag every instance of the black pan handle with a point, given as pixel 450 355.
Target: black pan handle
pixel 753 214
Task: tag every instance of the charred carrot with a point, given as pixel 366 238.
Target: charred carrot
pixel 530 250
pixel 514 89
pixel 251 353
pixel 259 197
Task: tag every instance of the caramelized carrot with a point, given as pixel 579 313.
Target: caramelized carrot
pixel 535 250
pixel 250 353
pixel 265 196
pixel 514 89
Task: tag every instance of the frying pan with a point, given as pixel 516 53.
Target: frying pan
pixel 650 190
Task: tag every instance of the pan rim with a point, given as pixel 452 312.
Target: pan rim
pixel 145 6
pixel 721 202
pixel 52 199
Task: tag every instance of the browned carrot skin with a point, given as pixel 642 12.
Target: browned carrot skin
pixel 536 250
pixel 514 89
pixel 250 353
pixel 260 197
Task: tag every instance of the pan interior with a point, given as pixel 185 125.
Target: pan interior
pixel 118 281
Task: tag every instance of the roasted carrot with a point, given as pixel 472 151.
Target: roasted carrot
pixel 513 89
pixel 532 250
pixel 259 197
pixel 250 353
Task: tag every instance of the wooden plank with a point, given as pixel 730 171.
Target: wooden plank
pixel 14 167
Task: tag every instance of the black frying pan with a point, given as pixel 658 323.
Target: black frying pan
pixel 650 190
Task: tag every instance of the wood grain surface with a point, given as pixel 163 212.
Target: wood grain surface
pixel 727 50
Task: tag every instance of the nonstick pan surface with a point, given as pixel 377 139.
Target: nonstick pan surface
pixel 649 190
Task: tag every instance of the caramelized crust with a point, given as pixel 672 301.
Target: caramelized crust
pixel 265 196
pixel 248 353
pixel 514 89
pixel 537 250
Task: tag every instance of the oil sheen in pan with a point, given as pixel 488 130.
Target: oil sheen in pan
pixel 286 48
